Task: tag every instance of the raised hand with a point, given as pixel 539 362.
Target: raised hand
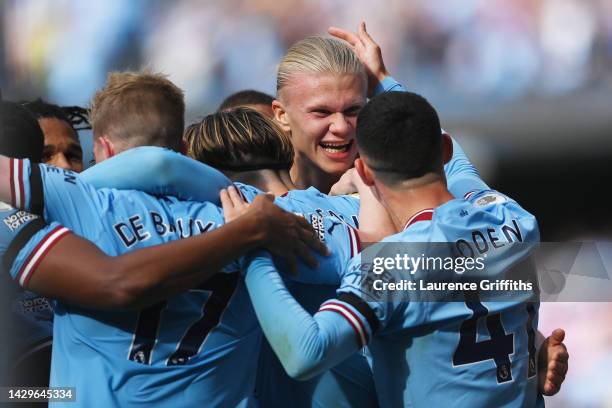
pixel 368 52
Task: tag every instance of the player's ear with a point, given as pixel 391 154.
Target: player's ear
pixel 103 148
pixel 183 147
pixel 447 147
pixel 280 115
pixel 364 172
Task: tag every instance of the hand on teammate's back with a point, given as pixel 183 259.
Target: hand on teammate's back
pixel 283 233
pixel 368 52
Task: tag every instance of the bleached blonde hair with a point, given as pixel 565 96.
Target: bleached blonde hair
pixel 314 55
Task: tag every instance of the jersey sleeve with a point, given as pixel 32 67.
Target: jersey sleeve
pixel 306 345
pixel 461 175
pixel 57 195
pixel 362 289
pixel 389 84
pixel 373 312
pixel 166 173
pixel 24 242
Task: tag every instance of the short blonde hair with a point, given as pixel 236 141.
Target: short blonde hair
pixel 314 55
pixel 138 109
pixel 239 140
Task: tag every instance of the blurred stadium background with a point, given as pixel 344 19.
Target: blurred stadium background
pixel 526 85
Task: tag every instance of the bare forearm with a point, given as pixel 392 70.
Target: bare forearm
pixel 165 270
pixel 78 272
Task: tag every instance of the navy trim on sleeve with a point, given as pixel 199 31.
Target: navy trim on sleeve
pixel 362 307
pixel 37 199
pixel 20 240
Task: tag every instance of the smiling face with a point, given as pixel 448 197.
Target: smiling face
pixel 320 113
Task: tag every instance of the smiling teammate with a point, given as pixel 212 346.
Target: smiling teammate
pixel 251 154
pixel 409 181
pixel 322 84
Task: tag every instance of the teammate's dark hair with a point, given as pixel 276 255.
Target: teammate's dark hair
pixel 75 116
pixel 247 97
pixel 399 136
pixel 20 134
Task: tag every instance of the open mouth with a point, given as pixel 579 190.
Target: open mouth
pixel 336 147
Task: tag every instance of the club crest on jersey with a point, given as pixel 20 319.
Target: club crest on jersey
pixel 5 207
pixel 490 198
pixel 15 221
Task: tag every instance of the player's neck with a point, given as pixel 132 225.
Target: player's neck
pixel 277 182
pixel 306 174
pixel 403 203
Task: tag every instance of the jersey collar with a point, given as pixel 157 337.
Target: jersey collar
pixel 423 215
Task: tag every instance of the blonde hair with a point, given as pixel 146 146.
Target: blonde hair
pixel 139 108
pixel 239 140
pixel 314 55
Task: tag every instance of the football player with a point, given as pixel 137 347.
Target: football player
pixel 244 145
pixel 192 326
pixel 411 340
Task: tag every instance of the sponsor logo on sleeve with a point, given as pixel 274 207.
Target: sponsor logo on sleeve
pixel 15 221
pixel 488 199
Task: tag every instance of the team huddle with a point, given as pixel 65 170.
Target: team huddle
pixel 225 263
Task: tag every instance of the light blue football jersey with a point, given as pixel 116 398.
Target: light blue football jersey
pixel 179 352
pixel 441 353
pixel 350 383
pixel 26 316
pixel 335 220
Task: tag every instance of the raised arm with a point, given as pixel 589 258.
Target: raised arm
pixel 462 177
pixel 159 172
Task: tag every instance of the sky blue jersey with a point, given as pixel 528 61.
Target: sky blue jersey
pixel 334 219
pixel 348 322
pixel 482 353
pixel 179 352
pixel 349 383
pixel 26 316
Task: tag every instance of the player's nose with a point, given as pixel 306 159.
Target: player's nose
pixel 340 124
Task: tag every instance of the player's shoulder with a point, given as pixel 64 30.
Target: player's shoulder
pixel 493 201
pixel 311 198
pixel 483 209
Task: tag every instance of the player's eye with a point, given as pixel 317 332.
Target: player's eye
pixel 353 111
pixel 321 113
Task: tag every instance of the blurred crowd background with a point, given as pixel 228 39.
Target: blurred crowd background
pixel 526 85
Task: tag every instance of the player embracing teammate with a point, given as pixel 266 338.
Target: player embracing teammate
pixel 174 352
